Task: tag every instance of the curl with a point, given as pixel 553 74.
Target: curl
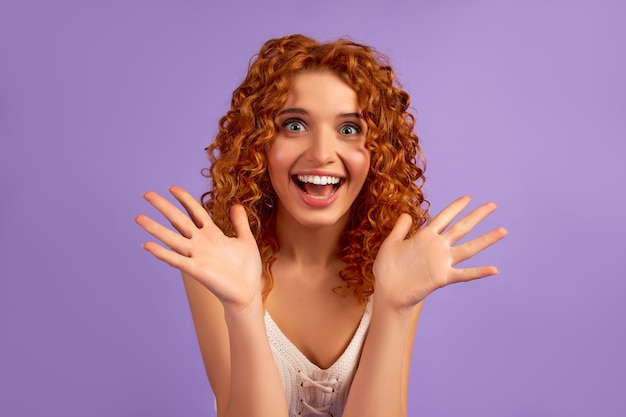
pixel 239 171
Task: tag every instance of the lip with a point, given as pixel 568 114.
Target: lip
pixel 317 202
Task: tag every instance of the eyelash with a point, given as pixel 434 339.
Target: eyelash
pixel 357 128
pixel 289 122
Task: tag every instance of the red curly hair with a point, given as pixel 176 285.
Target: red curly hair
pixel 239 169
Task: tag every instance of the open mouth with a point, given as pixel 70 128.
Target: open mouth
pixel 318 186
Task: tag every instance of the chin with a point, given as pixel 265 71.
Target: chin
pixel 321 222
pixel 319 219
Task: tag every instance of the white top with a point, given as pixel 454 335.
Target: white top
pixel 310 390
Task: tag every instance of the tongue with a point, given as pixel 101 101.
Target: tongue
pixel 318 190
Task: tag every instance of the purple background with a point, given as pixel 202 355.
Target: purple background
pixel 522 102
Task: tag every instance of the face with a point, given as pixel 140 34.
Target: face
pixel 317 160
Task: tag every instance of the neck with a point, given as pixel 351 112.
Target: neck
pixel 305 246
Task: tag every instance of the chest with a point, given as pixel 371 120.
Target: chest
pixel 319 322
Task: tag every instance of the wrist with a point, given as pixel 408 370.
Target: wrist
pixel 234 313
pixel 391 304
pixel 392 315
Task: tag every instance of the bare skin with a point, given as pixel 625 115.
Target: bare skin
pixel 223 275
pixel 205 255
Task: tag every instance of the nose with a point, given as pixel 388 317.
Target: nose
pixel 322 147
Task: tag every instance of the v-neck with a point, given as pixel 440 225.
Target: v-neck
pixel 363 325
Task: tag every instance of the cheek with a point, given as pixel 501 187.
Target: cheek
pixel 359 161
pixel 278 164
pixel 282 155
pixel 273 160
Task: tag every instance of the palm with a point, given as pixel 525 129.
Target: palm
pixel 408 270
pixel 230 267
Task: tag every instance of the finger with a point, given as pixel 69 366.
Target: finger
pixel 401 228
pixel 468 222
pixel 174 240
pixel 470 274
pixel 467 250
pixel 445 216
pixel 169 257
pixel 177 218
pixel 196 211
pixel 239 219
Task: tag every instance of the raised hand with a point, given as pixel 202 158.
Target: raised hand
pixel 408 270
pixel 230 267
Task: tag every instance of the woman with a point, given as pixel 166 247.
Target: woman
pixel 308 260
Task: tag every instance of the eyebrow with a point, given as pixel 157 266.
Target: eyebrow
pixel 294 110
pixel 297 110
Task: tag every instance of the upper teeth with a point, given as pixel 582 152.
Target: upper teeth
pixel 318 180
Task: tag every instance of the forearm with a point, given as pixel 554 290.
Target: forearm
pixel 255 388
pixel 379 380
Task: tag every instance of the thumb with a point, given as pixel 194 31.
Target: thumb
pixel 239 219
pixel 401 228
